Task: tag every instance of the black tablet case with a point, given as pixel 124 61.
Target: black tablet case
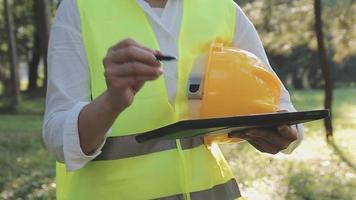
pixel 192 128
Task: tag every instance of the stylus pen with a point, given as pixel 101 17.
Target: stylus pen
pixel 165 58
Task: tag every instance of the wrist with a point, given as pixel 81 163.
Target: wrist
pixel 113 104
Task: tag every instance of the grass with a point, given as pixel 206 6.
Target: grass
pixel 312 172
pixel 27 170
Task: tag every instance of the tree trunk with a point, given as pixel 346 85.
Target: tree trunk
pixel 14 72
pixel 42 25
pixel 324 66
pixel 33 65
pixel 44 32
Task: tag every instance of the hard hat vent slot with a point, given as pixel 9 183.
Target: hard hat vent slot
pixel 193 88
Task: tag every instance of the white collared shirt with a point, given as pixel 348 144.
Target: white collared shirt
pixel 69 81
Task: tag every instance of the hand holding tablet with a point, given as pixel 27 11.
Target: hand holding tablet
pixel 268 140
pixel 201 127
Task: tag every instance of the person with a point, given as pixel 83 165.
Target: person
pixel 105 84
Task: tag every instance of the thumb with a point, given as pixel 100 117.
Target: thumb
pixel 238 134
pixel 287 132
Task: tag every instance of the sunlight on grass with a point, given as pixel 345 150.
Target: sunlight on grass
pixel 23 85
pixel 26 168
pixel 1 88
pixel 349 112
pixel 312 172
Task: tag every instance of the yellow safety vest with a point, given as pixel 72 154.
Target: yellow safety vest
pixel 172 169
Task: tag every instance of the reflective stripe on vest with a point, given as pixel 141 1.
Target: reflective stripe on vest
pixel 126 170
pixel 226 191
pixel 120 147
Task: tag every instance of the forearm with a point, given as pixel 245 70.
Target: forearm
pixel 95 120
pixel 128 66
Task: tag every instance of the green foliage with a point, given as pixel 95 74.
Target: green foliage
pixel 343 38
pixel 23 21
pixel 287 31
pixel 304 184
pixel 314 170
pixel 24 28
pixel 286 28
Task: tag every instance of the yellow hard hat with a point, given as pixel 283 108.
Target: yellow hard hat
pixel 232 82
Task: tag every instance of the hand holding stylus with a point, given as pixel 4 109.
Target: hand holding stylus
pixel 128 65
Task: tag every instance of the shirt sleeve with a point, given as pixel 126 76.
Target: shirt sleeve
pixel 247 38
pixel 68 89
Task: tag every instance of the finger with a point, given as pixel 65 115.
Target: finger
pixel 132 54
pixel 271 136
pixel 129 42
pixel 264 146
pixel 136 87
pixel 237 134
pixel 125 82
pixel 258 133
pixel 132 69
pixel 245 134
pixel 143 79
pixel 287 132
pixel 120 83
pixel 282 111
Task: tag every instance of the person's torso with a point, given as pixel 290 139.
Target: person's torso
pixel 127 169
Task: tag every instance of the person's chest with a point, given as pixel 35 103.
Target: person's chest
pixel 165 23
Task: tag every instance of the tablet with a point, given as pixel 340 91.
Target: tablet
pixel 200 127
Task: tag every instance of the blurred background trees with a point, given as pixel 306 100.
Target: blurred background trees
pixel 42 19
pixel 12 54
pixel 287 29
pixel 30 23
pixel 324 65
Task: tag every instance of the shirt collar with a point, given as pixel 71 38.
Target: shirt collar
pixel 167 16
